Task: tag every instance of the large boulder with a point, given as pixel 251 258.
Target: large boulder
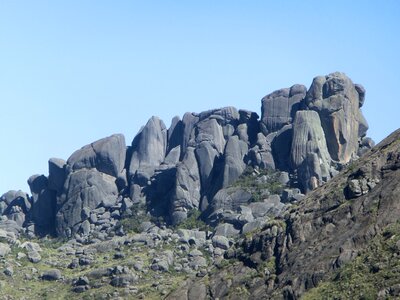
pixel 57 174
pixel 309 154
pixel 279 108
pixel 106 155
pixel 186 194
pixel 93 174
pixel 43 204
pixel 15 206
pixel 337 101
pixel 148 151
pixel 86 188
pixel 234 165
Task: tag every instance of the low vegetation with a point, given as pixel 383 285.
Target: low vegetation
pixel 260 183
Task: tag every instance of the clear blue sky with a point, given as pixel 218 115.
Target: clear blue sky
pixel 72 72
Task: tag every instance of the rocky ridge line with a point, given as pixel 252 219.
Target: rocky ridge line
pixel 307 136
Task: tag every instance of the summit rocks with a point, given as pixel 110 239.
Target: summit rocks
pixel 309 135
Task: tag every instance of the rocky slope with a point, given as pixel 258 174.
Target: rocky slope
pixel 343 238
pixel 225 203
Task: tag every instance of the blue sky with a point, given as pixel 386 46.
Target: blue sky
pixel 72 72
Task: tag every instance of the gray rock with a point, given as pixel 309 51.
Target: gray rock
pixel 106 155
pixel 124 280
pixel 234 166
pixel 9 271
pixel 175 134
pixel 4 249
pixel 80 288
pixel 51 275
pixel 188 122
pixel 230 199
pixel 252 226
pixel 309 152
pixel 272 206
pixel 361 94
pixel 31 246
pixel 279 108
pixel 99 273
pixel 83 280
pixel 57 174
pixel 173 156
pixel 220 241
pixel 85 227
pixel 206 155
pixel 186 193
pixel 14 198
pixel 227 230
pixel 337 100
pixel 148 151
pixel 34 256
pixel 210 131
pixel 197 262
pixel 43 204
pixel 284 178
pixel 192 236
pixel 281 144
pixel 86 188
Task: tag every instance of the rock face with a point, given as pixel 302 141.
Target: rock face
pixel 93 174
pixel 337 100
pixel 191 165
pixel 309 153
pixel 280 107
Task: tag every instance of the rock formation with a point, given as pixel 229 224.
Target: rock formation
pixel 308 135
pixel 222 204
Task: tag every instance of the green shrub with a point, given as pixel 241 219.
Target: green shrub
pixel 193 221
pixel 250 181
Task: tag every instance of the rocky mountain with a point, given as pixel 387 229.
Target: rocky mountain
pixel 223 203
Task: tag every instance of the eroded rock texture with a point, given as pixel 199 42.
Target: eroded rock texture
pixel 308 135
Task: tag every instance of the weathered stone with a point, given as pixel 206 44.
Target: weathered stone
pixel 51 275
pixel 57 174
pixel 233 165
pixel 220 241
pixel 186 194
pixel 4 249
pixel 253 226
pixel 86 188
pixel 106 155
pixel 309 154
pixel 337 100
pixel 43 204
pixel 227 230
pixel 148 151
pixel 279 108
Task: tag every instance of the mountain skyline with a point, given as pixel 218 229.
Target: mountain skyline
pixel 74 73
